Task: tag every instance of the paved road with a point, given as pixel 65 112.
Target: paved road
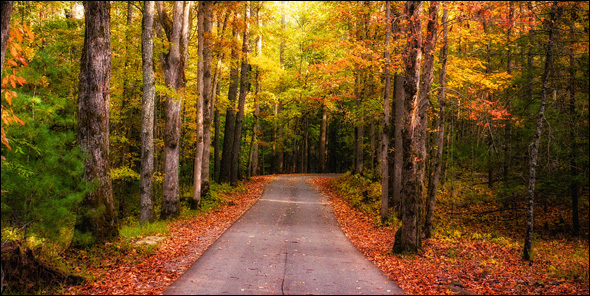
pixel 289 242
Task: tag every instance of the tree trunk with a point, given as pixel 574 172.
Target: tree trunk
pixel 147 116
pixel 230 117
pixel 533 148
pixel 201 169
pixel 96 214
pixel 406 238
pixel 244 87
pixel 5 28
pixel 208 100
pixel 214 93
pixel 173 66
pixel 398 151
pixel 420 135
pixel 437 157
pixel 323 130
pixel 385 123
pixel 253 157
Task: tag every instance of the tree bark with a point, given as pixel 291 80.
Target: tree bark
pixel 198 162
pixel 147 116
pixel 5 28
pixel 173 66
pixel 420 135
pixel 406 238
pixel 207 94
pixel 97 214
pixel 437 157
pixel 534 146
pixel 398 151
pixel 244 88
pixel 386 121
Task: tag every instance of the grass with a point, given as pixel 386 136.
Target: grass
pixel 135 230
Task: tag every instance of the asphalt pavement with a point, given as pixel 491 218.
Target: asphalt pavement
pixel 288 242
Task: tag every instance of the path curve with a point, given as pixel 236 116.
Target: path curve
pixel 289 242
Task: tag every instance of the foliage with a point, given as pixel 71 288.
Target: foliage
pixel 42 174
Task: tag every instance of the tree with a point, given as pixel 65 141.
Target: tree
pixel 407 238
pixel 173 64
pixel 434 178
pixel 534 146
pixel 97 215
pixel 200 106
pixel 147 119
pixel 386 121
pixel 423 104
pixel 208 102
pixel 244 89
pixel 229 129
pixel 253 155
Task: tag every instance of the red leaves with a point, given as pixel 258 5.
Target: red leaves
pixel 188 238
pixel 448 266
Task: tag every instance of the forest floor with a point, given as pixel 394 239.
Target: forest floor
pixel 472 254
pixel 124 267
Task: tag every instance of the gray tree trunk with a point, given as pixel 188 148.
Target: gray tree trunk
pixel 208 101
pixel 96 213
pixel 173 66
pixel 534 147
pixel 147 115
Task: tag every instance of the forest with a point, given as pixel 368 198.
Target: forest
pixel 444 120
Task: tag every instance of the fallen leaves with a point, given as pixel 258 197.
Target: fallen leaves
pixel 460 265
pixel 188 239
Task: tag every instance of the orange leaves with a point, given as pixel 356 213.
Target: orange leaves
pixel 134 273
pixel 463 264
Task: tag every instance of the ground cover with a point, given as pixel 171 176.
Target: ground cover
pixel 124 267
pixel 475 258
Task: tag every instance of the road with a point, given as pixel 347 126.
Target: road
pixel 289 242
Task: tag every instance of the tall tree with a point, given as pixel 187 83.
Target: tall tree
pixel 97 214
pixel 147 115
pixel 208 102
pixel 406 237
pixel 434 178
pixel 534 147
pixel 173 65
pixel 386 121
pixel 230 115
pixel 244 88
pixel 214 93
pixel 200 108
pixel 253 155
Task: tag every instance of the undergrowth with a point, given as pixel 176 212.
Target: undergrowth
pixel 468 211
